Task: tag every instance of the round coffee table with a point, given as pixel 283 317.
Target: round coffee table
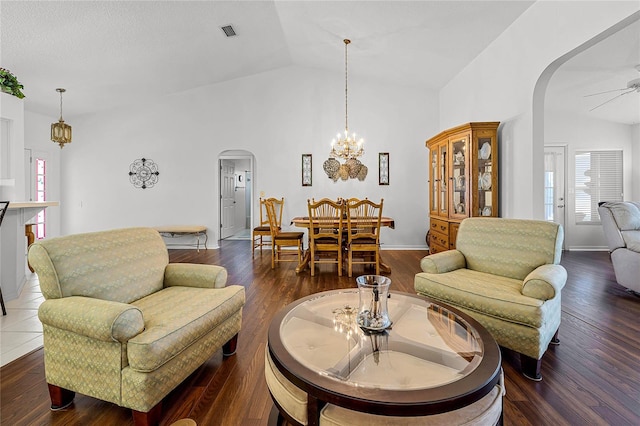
pixel 433 359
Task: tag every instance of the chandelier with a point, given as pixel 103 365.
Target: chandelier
pixel 346 146
pixel 60 131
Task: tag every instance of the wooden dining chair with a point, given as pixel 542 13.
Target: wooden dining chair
pixel 261 234
pixel 363 234
pixel 280 239
pixel 325 233
pixel 4 205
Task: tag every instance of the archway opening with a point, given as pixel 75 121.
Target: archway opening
pixel 236 192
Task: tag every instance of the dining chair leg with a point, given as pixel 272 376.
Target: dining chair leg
pixel 4 310
pixel 312 261
pixel 273 257
pixel 300 253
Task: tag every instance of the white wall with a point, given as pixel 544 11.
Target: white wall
pixel 277 116
pixel 282 114
pixel 500 83
pixel 580 133
pixel 12 180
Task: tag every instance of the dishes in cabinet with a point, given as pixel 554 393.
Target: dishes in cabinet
pixel 484 182
pixel 460 208
pixel 458 158
pixel 460 182
pixel 486 211
pixel 485 151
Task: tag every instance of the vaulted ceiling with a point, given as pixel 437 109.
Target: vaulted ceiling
pixel 110 53
pixel 588 83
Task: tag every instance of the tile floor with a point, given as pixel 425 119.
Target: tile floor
pixel 243 234
pixel 20 329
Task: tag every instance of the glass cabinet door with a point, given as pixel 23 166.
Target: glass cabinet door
pixel 458 179
pixel 443 175
pixel 433 182
pixel 487 177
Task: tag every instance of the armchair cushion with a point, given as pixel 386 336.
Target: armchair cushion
pixel 195 275
pixel 175 318
pixel 73 265
pixel 544 282
pixel 509 247
pixel 632 240
pixel 493 295
pixel 626 215
pixel 443 262
pixel 99 319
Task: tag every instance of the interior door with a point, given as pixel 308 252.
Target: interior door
pixel 554 185
pixel 228 198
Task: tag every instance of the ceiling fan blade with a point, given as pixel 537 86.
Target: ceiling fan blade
pixel 615 97
pixel 608 91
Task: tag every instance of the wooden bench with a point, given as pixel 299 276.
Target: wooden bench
pixel 182 230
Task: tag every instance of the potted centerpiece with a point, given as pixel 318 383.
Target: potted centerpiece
pixel 10 84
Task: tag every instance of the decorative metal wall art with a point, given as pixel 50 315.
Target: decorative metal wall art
pixel 383 168
pixel 351 169
pixel 143 173
pixel 306 170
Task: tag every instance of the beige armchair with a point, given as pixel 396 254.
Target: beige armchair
pixel 621 226
pixel 123 325
pixel 505 273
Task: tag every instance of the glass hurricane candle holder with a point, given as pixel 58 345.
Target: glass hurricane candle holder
pixel 373 291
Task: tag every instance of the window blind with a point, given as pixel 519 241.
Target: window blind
pixel 598 177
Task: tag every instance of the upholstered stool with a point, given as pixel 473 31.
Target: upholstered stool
pixel 288 397
pixel 184 422
pixel 293 400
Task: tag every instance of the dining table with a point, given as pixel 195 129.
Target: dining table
pixel 304 222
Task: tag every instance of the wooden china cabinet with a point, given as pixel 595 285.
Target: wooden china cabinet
pixel 463 179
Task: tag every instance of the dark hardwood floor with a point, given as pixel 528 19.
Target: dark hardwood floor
pixel 592 378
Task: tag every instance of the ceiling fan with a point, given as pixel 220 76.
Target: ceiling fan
pixel 632 86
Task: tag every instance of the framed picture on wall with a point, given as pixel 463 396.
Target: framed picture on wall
pixel 306 170
pixel 383 168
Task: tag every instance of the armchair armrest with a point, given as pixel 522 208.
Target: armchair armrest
pixel 445 261
pixel 195 275
pixel 544 282
pixel 96 318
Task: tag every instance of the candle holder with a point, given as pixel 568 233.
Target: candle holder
pixel 373 291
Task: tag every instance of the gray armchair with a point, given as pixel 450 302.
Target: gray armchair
pixel 621 226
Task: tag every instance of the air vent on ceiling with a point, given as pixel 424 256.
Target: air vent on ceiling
pixel 228 30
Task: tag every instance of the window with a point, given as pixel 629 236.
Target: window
pixel 598 178
pixel 549 184
pixel 40 196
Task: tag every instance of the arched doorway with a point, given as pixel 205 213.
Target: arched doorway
pixel 236 194
pixel 554 97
